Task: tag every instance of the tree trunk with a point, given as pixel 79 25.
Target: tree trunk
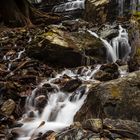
pixel 21 13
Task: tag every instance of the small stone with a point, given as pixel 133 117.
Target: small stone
pixel 93 124
pixel 72 85
pixel 76 125
pixel 8 107
pixel 41 101
pixel 102 76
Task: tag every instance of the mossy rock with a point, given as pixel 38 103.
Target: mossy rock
pixel 59 47
pixel 117 99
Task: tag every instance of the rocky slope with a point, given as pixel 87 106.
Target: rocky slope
pixel 29 56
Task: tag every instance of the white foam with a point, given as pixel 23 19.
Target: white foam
pixel 60 109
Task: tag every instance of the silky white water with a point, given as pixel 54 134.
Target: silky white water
pixel 60 108
pixel 121 44
pixel 69 6
pixel 118 47
pixel 121 7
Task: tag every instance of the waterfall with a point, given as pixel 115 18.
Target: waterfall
pixel 110 51
pixel 121 7
pixel 133 6
pixel 61 107
pixel 121 44
pixel 69 6
pixel 118 47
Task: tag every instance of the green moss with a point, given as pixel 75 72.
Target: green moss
pixel 115 92
pixel 47 34
pixel 136 13
pixel 138 52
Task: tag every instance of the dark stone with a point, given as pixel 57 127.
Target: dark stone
pixel 107 72
pixel 40 101
pixel 71 85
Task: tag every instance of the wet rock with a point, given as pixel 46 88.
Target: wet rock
pixel 16 132
pixel 107 72
pixel 5 120
pixel 108 32
pixel 49 135
pixel 94 125
pixel 10 90
pixel 41 91
pixel 102 76
pixel 120 62
pixel 76 125
pixel 48 87
pixel 77 133
pixel 40 101
pixel 110 68
pixel 117 98
pixel 60 47
pixel 79 92
pixel 8 107
pixel 126 128
pixel 71 85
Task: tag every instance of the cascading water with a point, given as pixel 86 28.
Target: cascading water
pixel 121 44
pixel 118 47
pixel 69 6
pixel 60 108
pixel 109 48
pixel 121 7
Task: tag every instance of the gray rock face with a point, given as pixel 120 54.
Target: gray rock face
pixel 114 99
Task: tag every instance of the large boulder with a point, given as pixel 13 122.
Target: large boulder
pixel 96 10
pixel 60 47
pixel 100 11
pixel 114 99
